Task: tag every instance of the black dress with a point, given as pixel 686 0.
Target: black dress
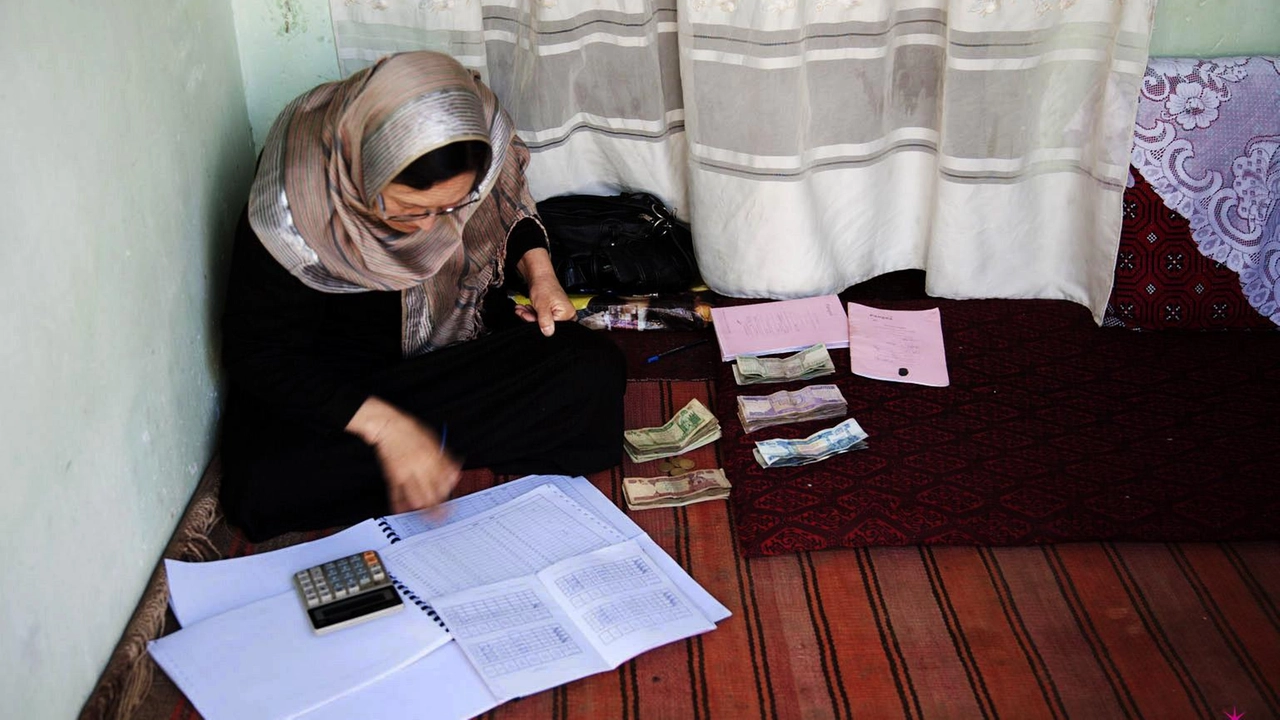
pixel 300 362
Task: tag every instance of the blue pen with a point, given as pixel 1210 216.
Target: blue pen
pixel 664 353
pixel 444 435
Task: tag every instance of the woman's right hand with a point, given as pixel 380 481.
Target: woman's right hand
pixel 419 472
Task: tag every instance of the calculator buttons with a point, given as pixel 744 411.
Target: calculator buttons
pixel 308 588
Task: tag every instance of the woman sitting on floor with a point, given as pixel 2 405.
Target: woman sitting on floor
pixel 369 349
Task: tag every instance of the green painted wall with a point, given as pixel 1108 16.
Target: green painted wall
pixel 1216 28
pixel 125 156
pixel 286 48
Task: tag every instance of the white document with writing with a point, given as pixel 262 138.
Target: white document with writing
pixel 515 539
pixel 406 525
pixel 580 616
pixel 581 491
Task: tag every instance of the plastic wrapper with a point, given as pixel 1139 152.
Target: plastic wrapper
pixel 673 311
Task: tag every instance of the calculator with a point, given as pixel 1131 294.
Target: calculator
pixel 346 591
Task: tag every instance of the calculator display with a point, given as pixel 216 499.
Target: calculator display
pixel 354 607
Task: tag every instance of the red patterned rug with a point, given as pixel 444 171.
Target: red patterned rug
pixel 1163 281
pixel 1053 430
pixel 697 360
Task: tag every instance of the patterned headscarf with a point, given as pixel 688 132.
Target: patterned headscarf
pixel 334 149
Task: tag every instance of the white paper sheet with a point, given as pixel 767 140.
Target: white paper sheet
pixel 406 525
pixel 532 646
pixel 623 602
pixel 583 615
pixel 515 539
pixel 262 660
pixel 199 590
pixel 581 491
pixel 440 686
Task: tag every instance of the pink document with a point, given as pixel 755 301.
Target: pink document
pixel 781 326
pixel 897 345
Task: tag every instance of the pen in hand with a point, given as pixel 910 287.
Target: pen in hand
pixel 664 353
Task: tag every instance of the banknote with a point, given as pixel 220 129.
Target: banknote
pixel 819 446
pixel 692 427
pixel 814 402
pixel 686 489
pixel 813 361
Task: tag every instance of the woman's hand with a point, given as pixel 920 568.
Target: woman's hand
pixel 549 302
pixel 419 472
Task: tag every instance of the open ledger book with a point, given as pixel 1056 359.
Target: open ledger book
pixel 540 581
pixel 527 625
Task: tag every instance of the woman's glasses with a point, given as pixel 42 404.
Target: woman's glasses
pixel 473 198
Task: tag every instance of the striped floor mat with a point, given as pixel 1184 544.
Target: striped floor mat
pixel 1090 631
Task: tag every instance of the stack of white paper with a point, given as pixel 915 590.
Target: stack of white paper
pixel 263 660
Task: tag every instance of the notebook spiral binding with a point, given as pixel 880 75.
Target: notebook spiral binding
pixel 391 534
pixel 423 605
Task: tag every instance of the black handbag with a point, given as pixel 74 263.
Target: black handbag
pixel 628 244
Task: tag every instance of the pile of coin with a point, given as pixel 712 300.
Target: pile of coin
pixel 676 466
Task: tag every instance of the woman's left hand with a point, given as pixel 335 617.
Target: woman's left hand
pixel 549 302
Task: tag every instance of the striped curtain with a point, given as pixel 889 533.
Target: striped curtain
pixel 816 143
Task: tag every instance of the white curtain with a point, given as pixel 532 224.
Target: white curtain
pixel 816 143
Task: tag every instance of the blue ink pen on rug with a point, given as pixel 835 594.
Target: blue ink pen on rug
pixel 664 353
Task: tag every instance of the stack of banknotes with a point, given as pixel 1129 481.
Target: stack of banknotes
pixel 686 489
pixel 815 402
pixel 692 427
pixel 819 446
pixel 814 361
